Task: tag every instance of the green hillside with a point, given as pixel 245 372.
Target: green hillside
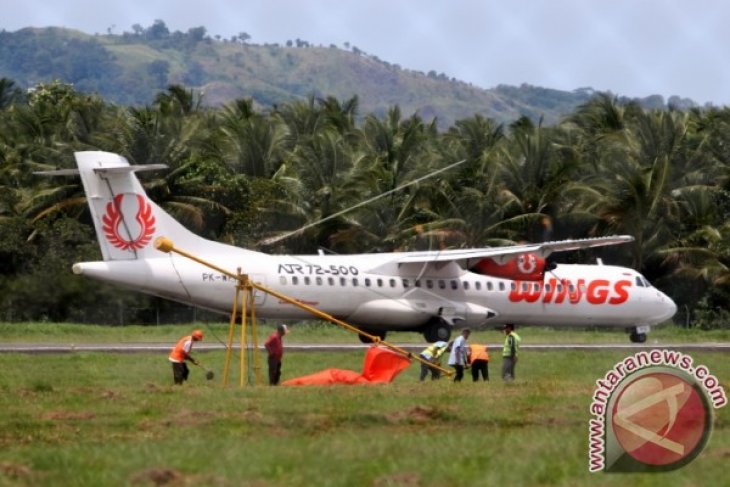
pixel 132 67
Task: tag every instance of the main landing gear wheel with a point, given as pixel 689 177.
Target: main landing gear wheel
pixel 437 330
pixel 637 337
pixel 364 339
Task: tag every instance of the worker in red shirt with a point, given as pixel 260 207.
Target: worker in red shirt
pixel 275 347
pixel 180 353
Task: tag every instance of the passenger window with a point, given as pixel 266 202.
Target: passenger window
pixel 295 280
pixel 454 284
pixel 318 280
pixel 306 280
pixel 354 281
pixel 367 282
pixel 331 281
pixel 501 286
pixel 417 283
pixel 442 284
pixel 429 283
pixel 405 283
pixel 343 282
pixel 392 283
pixel 466 285
pixel 489 286
pixel 282 280
pixel 478 285
pixel 380 282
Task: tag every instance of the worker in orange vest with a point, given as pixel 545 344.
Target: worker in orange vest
pixel 180 353
pixel 479 360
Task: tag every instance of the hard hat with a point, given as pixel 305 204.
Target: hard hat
pixel 197 335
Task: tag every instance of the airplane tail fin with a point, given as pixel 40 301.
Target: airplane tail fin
pixel 126 221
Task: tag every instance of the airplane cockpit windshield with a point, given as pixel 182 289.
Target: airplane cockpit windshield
pixel 641 281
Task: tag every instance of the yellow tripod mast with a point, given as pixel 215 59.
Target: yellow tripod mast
pixel 245 290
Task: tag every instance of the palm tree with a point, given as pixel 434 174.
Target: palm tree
pixel 396 152
pixel 340 116
pixel 642 190
pixel 251 143
pixel 539 181
pixel 178 101
pixel 301 118
pixel 9 93
pixel 317 180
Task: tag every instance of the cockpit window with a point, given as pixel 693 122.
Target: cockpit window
pixel 641 281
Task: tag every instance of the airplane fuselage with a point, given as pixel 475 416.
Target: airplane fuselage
pixel 376 292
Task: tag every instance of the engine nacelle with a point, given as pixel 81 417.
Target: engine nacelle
pixel 525 267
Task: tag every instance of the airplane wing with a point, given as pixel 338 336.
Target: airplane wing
pixel 503 254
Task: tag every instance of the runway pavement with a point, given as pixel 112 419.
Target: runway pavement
pixel 39 348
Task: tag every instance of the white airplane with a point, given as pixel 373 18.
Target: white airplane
pixel 427 291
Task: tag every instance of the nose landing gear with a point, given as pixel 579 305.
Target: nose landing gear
pixel 638 334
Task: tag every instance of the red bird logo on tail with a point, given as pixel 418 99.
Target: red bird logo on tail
pixel 114 218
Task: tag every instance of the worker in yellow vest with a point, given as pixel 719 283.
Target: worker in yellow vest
pixel 433 355
pixel 479 360
pixel 510 352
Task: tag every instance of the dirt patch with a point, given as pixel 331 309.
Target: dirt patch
pixel 170 477
pixel 111 395
pixel 158 476
pixel 719 453
pixel 150 387
pixel 403 479
pixel 419 414
pixel 558 422
pixel 187 418
pixel 252 415
pixel 67 415
pixel 15 471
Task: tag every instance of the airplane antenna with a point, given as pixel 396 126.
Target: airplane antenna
pixel 279 238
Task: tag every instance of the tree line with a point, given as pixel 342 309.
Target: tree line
pixel 242 175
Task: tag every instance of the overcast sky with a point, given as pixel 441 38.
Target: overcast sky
pixel 630 47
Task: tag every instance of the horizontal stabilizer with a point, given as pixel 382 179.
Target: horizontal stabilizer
pixel 103 170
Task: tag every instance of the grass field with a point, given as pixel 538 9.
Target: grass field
pixel 89 419
pixel 319 332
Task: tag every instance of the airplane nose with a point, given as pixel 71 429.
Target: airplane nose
pixel 669 307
